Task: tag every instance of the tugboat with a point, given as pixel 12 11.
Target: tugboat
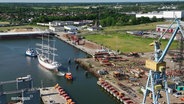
pixel 68 75
pixel 31 52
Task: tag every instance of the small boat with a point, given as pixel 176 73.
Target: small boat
pixel 68 76
pixel 31 52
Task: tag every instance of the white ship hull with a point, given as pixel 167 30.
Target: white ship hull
pixel 48 65
pixel 31 52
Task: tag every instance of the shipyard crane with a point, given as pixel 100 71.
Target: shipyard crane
pixel 157 79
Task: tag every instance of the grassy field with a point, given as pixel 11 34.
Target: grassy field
pixel 21 27
pixel 126 43
pixel 149 26
pixel 116 38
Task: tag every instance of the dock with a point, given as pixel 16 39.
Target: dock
pixel 50 95
pixel 117 93
pixel 89 47
pixel 55 95
pixel 25 34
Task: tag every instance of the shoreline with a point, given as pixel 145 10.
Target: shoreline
pixel 87 49
pixel 87 67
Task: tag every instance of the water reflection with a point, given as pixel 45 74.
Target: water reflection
pixel 29 60
pixel 46 72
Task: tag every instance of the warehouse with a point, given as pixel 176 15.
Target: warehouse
pixel 56 28
pixel 168 15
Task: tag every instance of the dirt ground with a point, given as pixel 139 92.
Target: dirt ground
pixel 131 88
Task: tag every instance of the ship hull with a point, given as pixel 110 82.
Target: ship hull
pixel 31 53
pixel 47 65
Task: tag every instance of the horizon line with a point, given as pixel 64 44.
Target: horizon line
pixel 95 2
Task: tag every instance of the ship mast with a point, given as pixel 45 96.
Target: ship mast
pixel 53 50
pixel 42 45
pixel 48 46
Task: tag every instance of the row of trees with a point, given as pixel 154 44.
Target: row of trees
pixel 127 20
pixel 105 13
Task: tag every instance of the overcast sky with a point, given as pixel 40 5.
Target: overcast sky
pixel 83 0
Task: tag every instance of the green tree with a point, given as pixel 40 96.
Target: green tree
pixel 154 19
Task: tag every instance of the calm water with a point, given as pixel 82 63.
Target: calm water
pixel 83 89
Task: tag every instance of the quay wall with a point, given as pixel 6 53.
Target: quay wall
pixel 87 67
pixel 89 50
pixel 22 35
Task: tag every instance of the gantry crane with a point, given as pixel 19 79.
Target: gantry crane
pixel 157 79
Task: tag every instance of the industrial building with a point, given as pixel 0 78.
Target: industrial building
pixel 67 28
pixel 56 28
pixel 66 23
pixel 61 23
pixel 168 15
pixel 70 28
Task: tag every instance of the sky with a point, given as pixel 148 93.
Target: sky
pixel 75 1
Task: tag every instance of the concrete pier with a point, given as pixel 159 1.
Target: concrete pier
pixel 50 95
pixel 15 35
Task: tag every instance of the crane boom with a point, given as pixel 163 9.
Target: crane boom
pixel 160 59
pixel 157 78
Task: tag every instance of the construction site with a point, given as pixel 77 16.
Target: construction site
pixel 136 77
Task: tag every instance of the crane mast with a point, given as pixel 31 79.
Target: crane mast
pixel 157 79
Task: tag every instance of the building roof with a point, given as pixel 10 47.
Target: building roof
pixel 162 14
pixel 70 27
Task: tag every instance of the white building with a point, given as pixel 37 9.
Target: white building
pixel 150 15
pixel 173 14
pixel 43 24
pixel 61 23
pixel 71 28
pixel 56 28
pixel 163 14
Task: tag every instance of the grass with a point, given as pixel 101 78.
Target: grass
pixel 149 26
pixel 126 43
pixel 116 38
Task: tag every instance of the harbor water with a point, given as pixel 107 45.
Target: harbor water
pixel 83 89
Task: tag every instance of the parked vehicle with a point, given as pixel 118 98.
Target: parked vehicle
pixel 177 94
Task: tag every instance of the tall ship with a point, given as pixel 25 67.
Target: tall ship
pixel 46 53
